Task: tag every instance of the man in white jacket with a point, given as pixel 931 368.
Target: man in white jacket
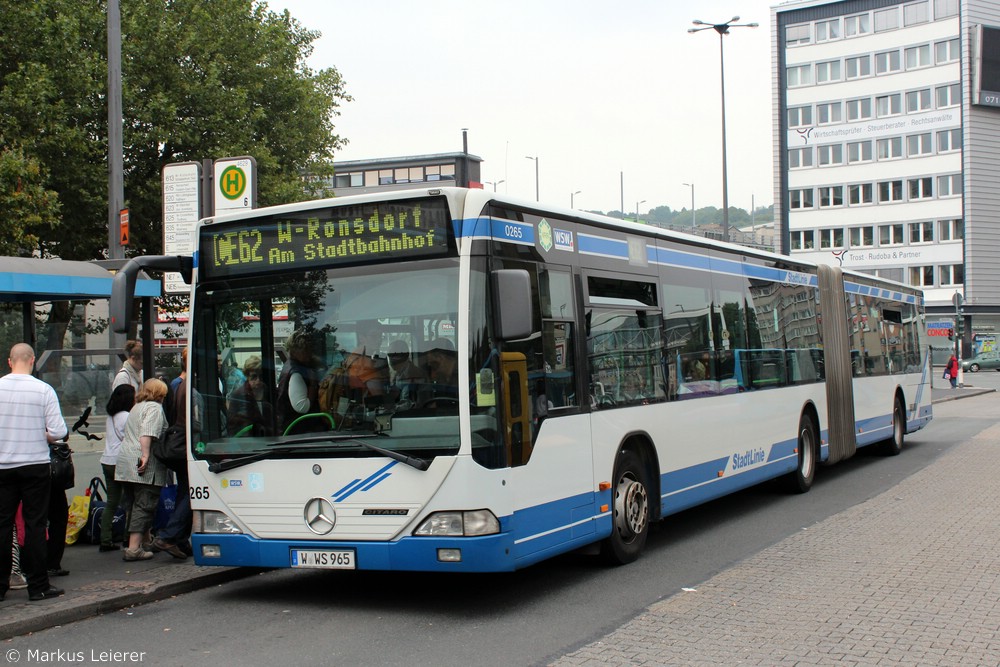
pixel 30 419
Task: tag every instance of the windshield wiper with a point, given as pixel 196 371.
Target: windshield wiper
pixel 303 444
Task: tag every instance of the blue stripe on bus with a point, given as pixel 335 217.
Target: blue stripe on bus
pixel 368 482
pixel 600 245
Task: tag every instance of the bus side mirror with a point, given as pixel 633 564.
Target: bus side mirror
pixel 512 296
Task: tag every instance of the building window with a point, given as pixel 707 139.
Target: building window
pixel 949 140
pixel 951 230
pixel 887 62
pixel 828 71
pixel 385 177
pixel 800 116
pixel 800 157
pixel 803 240
pixel 830 154
pixel 916 13
pixel 918 100
pixel 949 185
pixel 886 19
pixel 799 75
pixel 919 144
pixel 890 148
pixel 922 276
pixel 920 188
pixel 800 198
pixel 859 24
pixel 859 151
pixel 917 56
pixel 890 234
pixel 890 191
pixel 831 239
pixel 889 105
pixel 860 109
pixel 952 274
pixel 862 237
pixel 831 196
pixel 858 67
pixel 827 30
pixel 947 51
pixel 921 232
pixel 828 113
pixel 945 8
pixel 948 96
pixel 859 194
pixel 797 34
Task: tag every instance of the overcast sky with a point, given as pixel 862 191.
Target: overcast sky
pixel 593 88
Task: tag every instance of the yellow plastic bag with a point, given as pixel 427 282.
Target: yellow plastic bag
pixel 79 511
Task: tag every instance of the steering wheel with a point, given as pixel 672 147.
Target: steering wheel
pixel 443 399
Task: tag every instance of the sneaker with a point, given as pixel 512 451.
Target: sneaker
pixel 51 592
pixel 172 549
pixel 17 581
pixel 138 554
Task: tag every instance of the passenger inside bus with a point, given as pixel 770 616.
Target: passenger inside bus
pixel 408 383
pixel 298 385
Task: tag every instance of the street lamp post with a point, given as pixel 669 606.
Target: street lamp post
pixel 637 209
pixel 723 29
pixel 691 185
pixel 494 183
pixel 571 195
pixel 535 159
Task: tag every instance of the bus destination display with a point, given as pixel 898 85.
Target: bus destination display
pixel 360 233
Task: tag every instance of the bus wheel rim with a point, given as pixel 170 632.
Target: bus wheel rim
pixel 631 507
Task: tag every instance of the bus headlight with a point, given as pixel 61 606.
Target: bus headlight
pixel 209 521
pixel 459 524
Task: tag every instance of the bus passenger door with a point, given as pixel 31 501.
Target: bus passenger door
pixel 517 424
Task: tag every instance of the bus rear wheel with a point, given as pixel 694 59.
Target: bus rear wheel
pixel 801 480
pixel 894 445
pixel 630 511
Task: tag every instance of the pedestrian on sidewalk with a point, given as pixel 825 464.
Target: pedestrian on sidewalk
pixel 119 404
pixel 30 419
pixel 174 537
pixel 131 370
pixel 142 473
pixel 951 371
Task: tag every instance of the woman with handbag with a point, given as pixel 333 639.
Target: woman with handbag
pixel 141 473
pixel 119 404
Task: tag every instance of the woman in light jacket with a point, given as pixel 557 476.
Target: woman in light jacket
pixel 141 473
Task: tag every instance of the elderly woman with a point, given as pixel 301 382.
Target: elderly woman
pixel 138 470
pixel 247 404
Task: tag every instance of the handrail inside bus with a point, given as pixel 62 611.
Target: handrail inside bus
pixel 311 414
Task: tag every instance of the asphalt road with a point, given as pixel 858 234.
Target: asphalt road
pixel 525 618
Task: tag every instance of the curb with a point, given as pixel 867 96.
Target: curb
pixel 78 610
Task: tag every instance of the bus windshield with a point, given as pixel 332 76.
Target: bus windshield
pixel 366 351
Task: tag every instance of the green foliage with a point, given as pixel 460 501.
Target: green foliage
pixel 199 81
pixel 27 209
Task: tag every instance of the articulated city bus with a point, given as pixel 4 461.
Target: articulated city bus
pixel 461 381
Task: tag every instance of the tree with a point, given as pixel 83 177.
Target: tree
pixel 27 209
pixel 199 80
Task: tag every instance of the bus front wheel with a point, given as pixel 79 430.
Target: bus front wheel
pixel 801 480
pixel 630 511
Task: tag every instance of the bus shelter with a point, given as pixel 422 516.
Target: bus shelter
pixel 60 308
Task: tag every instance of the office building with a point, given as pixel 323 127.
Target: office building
pixel 887 125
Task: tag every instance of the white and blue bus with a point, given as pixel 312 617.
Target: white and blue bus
pixel 569 379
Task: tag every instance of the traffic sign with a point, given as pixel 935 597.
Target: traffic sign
pixel 123 225
pixel 234 185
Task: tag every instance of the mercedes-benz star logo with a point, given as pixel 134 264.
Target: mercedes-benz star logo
pixel 319 515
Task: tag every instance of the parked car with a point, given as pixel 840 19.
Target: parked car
pixel 983 361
